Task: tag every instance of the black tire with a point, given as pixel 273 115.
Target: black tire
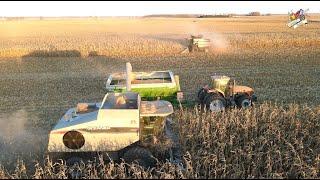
pixel 201 95
pixel 215 99
pixel 243 101
pixel 140 155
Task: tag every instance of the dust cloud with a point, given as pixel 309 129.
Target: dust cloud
pixel 16 140
pixel 217 40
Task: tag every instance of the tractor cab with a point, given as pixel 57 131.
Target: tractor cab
pixel 227 87
pixel 221 83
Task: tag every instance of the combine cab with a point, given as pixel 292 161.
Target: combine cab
pixel 225 93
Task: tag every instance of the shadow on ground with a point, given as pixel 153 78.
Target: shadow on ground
pixel 54 53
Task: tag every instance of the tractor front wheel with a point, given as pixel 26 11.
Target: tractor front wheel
pixel 243 101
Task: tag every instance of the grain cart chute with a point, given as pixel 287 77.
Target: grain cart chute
pixel 197 44
pixel 121 125
pixel 225 93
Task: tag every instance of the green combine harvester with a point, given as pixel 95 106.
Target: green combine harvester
pixel 151 85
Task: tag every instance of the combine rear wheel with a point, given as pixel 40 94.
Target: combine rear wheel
pixel 215 103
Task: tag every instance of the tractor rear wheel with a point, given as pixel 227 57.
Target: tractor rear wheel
pixel 243 101
pixel 215 102
pixel 140 155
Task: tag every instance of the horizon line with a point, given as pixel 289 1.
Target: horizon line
pixel 247 14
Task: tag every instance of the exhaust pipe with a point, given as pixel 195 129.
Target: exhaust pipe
pixel 128 75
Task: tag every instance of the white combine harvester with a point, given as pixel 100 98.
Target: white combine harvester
pixel 121 125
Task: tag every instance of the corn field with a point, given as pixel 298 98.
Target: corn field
pixel 48 66
pixel 267 141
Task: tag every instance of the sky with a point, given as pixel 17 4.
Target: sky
pixel 141 8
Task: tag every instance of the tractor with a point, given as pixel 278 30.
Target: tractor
pixel 122 125
pixel 225 93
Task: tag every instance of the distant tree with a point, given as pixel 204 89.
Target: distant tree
pixel 255 13
pixel 216 16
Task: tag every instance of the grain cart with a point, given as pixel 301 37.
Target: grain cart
pixel 225 93
pixel 198 44
pixel 122 125
pixel 150 85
